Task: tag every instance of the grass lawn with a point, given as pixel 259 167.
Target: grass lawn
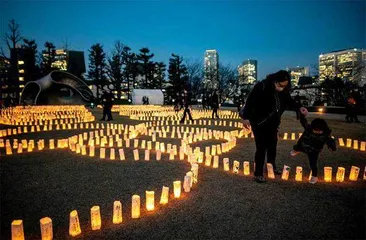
pixel 222 205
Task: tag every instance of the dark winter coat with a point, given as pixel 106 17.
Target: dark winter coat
pixel 310 142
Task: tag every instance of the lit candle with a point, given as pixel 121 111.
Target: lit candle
pixel 164 198
pixel 121 154
pixel 112 154
pixel 150 200
pixel 194 170
pixel 95 218
pixel 135 206
pixel 226 163
pixel 353 176
pixel 136 154
pixel 177 188
pixel 208 160
pixel 298 176
pixel 363 146
pixel 327 174
pixel 340 174
pixel 147 155
pixel 158 155
pixel 216 162
pixel 74 227
pixel 102 153
pixel 293 136
pixel 270 171
pixel 355 144
pixel 187 183
pixel 285 136
pixel 349 142
pixel 285 172
pixel 117 212
pixel 17 231
pixel 236 166
pixel 46 228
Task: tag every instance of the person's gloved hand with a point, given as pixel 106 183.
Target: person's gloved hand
pixel 304 111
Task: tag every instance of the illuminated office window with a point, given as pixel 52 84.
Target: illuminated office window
pixel 20 62
pixel 21 70
pixel 21 78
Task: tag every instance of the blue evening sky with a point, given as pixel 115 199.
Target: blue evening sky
pixel 278 34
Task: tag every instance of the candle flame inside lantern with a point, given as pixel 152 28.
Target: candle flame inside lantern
pixel 150 200
pixel 246 168
pixel 46 228
pixel 327 174
pixel 17 231
pixel 117 212
pixel 340 174
pixel 298 176
pixel 135 206
pixel 74 227
pixel 353 176
pixel 164 195
pixel 177 189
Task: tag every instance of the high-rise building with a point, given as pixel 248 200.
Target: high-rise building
pixel 347 64
pixel 248 72
pixel 4 76
pixel 297 72
pixel 211 80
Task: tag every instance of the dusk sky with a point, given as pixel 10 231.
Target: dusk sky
pixel 276 33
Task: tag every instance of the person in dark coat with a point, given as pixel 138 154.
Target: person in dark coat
pixel 262 113
pixel 215 104
pixel 186 104
pixel 297 100
pixel 312 141
pixel 107 101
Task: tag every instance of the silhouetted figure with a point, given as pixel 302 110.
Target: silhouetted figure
pixel 107 101
pixel 186 103
pixel 215 104
pixel 297 101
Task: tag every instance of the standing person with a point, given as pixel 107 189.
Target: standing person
pixel 186 103
pixel 107 101
pixel 297 100
pixel 215 104
pixel 312 141
pixel 262 112
pixel 351 109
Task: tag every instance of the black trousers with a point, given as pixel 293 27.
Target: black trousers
pixel 186 111
pixel 313 160
pixel 214 112
pixel 107 111
pixel 266 143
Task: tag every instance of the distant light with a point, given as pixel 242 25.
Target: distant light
pixel 320 110
pixel 355 49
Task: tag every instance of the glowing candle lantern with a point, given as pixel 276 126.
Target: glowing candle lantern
pixel 327 174
pixel 363 146
pixel 20 148
pixel 236 166
pixel 150 200
pixel 216 162
pixel 293 137
pixel 349 142
pixel 270 171
pixel 213 151
pixel 298 176
pixel 364 174
pixel 171 155
pixel 112 154
pixel 17 231
pixel 207 151
pixel 135 212
pixel 127 143
pixel 181 153
pixel 162 147
pixel 143 143
pixel 52 144
pixel 117 212
pixel 194 170
pixel 355 144
pixel 74 225
pixel 96 221
pixel 136 143
pixel 110 141
pixel 285 172
pixel 91 151
pixel 164 198
pixel 136 154
pixel 187 183
pixel 121 154
pixel 8 150
pixel 353 176
pixel 83 150
pixel 158 155
pixel 177 189
pixel 149 145
pixel 285 136
pixel 119 143
pixel 46 228
pixel 340 174
pixel 147 155
pixel 208 160
pixel 226 163
pixel 102 153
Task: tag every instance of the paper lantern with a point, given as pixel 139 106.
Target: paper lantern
pixel 213 150
pixel 162 147
pixel 177 189
pixel 102 153
pixel 298 176
pixel 135 212
pixel 187 183
pixel 349 142
pixel 194 170
pixel 216 162
pixel 112 154
pixel 74 224
pixel 340 174
pixel 363 146
pixel 190 174
pixel 364 174
pixel 52 144
pixel 83 150
pixel 96 221
pixel 355 144
pixel 207 151
pixel 236 166
pixel 136 154
pixel 91 151
pixel 20 148
pixel 327 174
pixel 285 172
pixel 127 143
pixel 149 147
pixel 208 160
pixel 293 137
pixel 136 143
pixel 285 136
pixel 150 200
pixel 121 154
pixel 171 154
pixel 8 150
pixel 164 198
pixel 117 212
pixel 270 171
pixel 353 175
pixel 226 163
pixel 46 228
pixel 17 231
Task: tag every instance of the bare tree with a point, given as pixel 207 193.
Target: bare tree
pixel 13 36
pixel 115 68
pixel 195 75
pixel 228 78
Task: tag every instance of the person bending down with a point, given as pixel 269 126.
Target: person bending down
pixel 312 141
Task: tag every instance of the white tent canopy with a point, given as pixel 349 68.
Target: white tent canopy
pixel 156 96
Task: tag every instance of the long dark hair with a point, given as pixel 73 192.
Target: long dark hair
pixel 280 76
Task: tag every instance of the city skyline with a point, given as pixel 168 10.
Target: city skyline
pixel 277 34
